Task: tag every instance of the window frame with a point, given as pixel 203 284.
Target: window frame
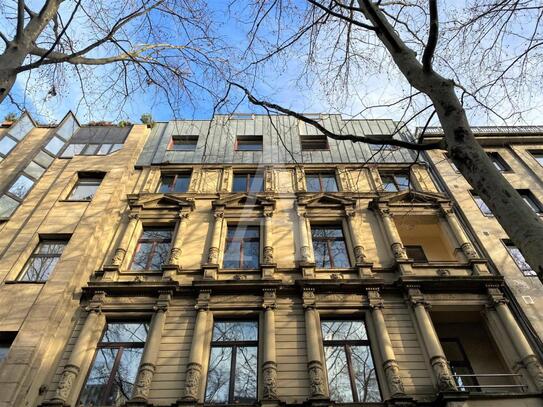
pixel 528 195
pixel 243 140
pixel 227 241
pixel 86 179
pixel 535 154
pixel 176 175
pixel 475 196
pixel 308 142
pixel 422 259
pixel 183 139
pixel 465 363
pixel 151 252
pixel 499 163
pixel 328 244
pixel 509 245
pixel 320 174
pixel 234 345
pixel 393 175
pixel 64 240
pixel 249 176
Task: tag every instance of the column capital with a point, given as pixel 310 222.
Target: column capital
pixel 374 298
pixel 350 211
pixel 495 296
pixel 269 298
pixel 96 302
pixel 218 213
pixel 163 301
pixel 268 211
pixel 133 216
pixel 416 297
pixel 202 302
pixel 308 298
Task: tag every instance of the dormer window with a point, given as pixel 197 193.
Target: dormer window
pixel 249 143
pixel 183 143
pixel 314 142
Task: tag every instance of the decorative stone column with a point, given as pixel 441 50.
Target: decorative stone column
pixel 390 365
pixel 87 339
pixel 317 379
pixel 479 265
pixel 307 261
pixel 364 268
pixel 111 270
pixel 193 377
pixel 527 357
pixel 440 366
pixel 210 269
pixel 398 250
pixel 174 261
pixel 268 263
pixel 269 368
pixel 150 353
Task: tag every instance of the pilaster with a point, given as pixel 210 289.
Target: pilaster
pixel 364 267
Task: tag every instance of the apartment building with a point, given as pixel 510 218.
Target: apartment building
pixel 249 260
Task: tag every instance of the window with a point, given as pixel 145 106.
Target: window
pixel 85 187
pixel 314 142
pixel 6 340
pixel 460 366
pixel 113 373
pixel 519 259
pixel 329 247
pixel 174 183
pixel 249 143
pixel 90 149
pixel 248 182
pixel 153 249
pixel 416 253
pixel 351 372
pixel 6 145
pixel 382 147
pixel 7 206
pixel 54 145
pixel 498 161
pixel 183 143
pixel 242 248
pixel 530 199
pixel 42 262
pixel 321 182
pixel 481 204
pixel 21 186
pixel 538 155
pixel 395 182
pixel 233 363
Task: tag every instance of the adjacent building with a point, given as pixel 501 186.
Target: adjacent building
pixel 247 260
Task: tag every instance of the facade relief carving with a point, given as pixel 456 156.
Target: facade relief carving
pixel 213 255
pixel 394 380
pixel 445 381
pixel 359 255
pixel 305 253
pixel 192 381
pixel 317 382
pixel 268 255
pixel 66 382
pixel 469 250
pixel 269 381
pixel 536 370
pixel 143 382
pixel 399 251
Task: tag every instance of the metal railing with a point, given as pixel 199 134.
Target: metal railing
pixel 487 388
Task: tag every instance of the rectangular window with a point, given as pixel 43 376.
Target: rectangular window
pixel 321 182
pixel 329 247
pixel 21 186
pixel 395 182
pixel 314 142
pixel 519 259
pixel 153 249
pixel 249 143
pixel 183 143
pixel 481 204
pixel 232 375
pixel 538 155
pixel 531 200
pixel 7 206
pixel 6 339
pixel 54 145
pixel 242 249
pixel 248 182
pixel 6 145
pixel 459 363
pixel 498 161
pixel 113 373
pixel 351 372
pixel 416 253
pixel 174 183
pixel 85 187
pixel 42 262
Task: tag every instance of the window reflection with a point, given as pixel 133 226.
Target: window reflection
pixel 43 261
pixel 233 363
pixel 153 249
pixel 329 247
pixel 242 247
pixel 351 372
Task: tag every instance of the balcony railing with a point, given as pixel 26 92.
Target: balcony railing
pixel 466 382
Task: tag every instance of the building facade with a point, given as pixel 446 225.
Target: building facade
pixel 246 260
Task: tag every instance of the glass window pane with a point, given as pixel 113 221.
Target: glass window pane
pixel 338 374
pixel 240 183
pixel 21 187
pixel 7 206
pixel 68 128
pixel 21 128
pixel 232 255
pixel 482 205
pixel 388 184
pixel 182 183
pixel 116 147
pixel 235 331
pixel 160 255
pixel 126 332
pixel 402 181
pixel 125 377
pixel 520 261
pixel 251 255
pixel 84 190
pixel 50 247
pixel 54 145
pixel 95 387
pixel 343 330
pixel 322 257
pixel 246 374
pixel 218 375
pixel 34 170
pixel 104 149
pixel 364 373
pixel 156 234
pixel 312 183
pixel 141 257
pixel 43 159
pixel 39 268
pixel 166 183
pixel 91 149
pixel 329 183
pixel 257 183
pixel 6 145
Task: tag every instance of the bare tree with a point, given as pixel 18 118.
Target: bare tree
pixel 110 49
pixel 485 57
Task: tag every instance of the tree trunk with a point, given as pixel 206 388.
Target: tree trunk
pixel 12 58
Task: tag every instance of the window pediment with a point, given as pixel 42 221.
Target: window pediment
pixel 325 200
pixel 159 201
pixel 412 197
pixel 245 201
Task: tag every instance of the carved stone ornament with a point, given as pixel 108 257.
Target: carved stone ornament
pixel 394 380
pixel 213 256
pixel 535 369
pixel 118 257
pixel 66 382
pixel 305 254
pixel 399 251
pixel 445 381
pixel 359 254
pixel 226 179
pixel 268 255
pixel 269 298
pixel 317 383
pixel 143 381
pixel 175 255
pixel 192 381
pixel 469 250
pixel 269 381
pixel 308 298
pixel 269 179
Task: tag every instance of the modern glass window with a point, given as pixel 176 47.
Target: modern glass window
pixel 21 186
pixel 183 143
pixel 314 142
pixel 538 155
pixel 519 259
pixel 329 247
pixel 459 363
pixel 481 204
pixel 242 249
pixel 395 182
pixel 6 145
pixel 416 253
pixel 54 145
pixel 531 200
pixel 6 340
pixel 7 206
pixel 498 161
pixel 174 183
pixel 249 143
pixel 113 373
pixel 351 372
pixel 153 249
pixel 321 182
pixel 85 187
pixel 232 375
pixel 43 261
pixel 249 182
pixel 90 149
